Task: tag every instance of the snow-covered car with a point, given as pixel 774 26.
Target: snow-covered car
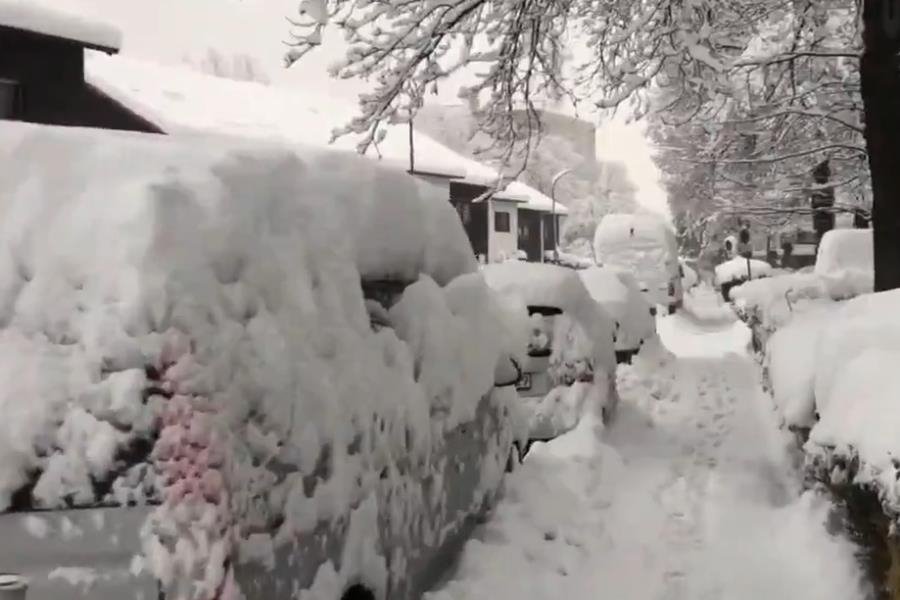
pixel 646 246
pixel 619 295
pixel 229 370
pixel 571 356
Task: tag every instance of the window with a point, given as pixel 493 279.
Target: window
pixel 501 222
pixel 10 99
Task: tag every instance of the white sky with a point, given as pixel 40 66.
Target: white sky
pixel 168 30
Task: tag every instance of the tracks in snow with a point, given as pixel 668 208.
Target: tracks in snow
pixel 691 406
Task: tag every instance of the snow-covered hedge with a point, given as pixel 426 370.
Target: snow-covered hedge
pixel 739 269
pixel 204 297
pixel 845 262
pixel 856 389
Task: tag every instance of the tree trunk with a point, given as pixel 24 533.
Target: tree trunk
pixel 880 81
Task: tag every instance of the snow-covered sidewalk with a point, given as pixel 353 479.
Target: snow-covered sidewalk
pixel 688 496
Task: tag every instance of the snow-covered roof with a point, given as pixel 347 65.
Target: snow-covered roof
pixel 40 16
pixel 179 99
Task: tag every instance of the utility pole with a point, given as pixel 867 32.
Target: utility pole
pixel 553 183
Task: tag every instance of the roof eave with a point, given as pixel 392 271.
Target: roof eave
pixel 110 50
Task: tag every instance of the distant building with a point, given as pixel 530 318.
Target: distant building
pixel 42 70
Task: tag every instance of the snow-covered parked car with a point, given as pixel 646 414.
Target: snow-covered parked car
pixel 571 357
pixel 232 371
pixel 619 295
pixel 644 245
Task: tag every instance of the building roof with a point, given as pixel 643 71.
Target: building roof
pixel 39 17
pixel 181 100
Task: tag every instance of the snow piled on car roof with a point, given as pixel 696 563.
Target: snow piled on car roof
pixel 204 297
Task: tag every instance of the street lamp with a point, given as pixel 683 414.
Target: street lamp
pixel 553 183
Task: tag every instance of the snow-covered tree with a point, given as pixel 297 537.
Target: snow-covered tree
pixel 796 62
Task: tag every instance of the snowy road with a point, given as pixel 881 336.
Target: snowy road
pixel 689 496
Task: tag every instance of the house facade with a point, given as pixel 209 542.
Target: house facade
pixel 42 72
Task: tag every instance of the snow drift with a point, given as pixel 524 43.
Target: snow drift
pixel 205 296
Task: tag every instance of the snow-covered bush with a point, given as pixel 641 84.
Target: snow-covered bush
pixel 183 319
pixel 845 262
pixel 791 363
pixel 856 391
pixel 741 269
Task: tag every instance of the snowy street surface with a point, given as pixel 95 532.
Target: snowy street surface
pixel 689 495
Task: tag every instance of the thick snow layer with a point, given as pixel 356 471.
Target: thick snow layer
pixel 860 416
pixel 623 303
pixel 831 366
pixel 48 18
pixel 689 494
pixel 179 99
pixel 791 359
pixel 739 268
pixel 868 322
pixel 845 262
pixel 208 296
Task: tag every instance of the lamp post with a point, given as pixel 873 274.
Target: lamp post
pixel 553 183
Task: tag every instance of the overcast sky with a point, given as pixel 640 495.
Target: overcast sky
pixel 169 30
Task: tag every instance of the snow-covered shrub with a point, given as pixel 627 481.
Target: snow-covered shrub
pixel 183 319
pixel 741 269
pixel 845 262
pixel 855 389
pixel 791 362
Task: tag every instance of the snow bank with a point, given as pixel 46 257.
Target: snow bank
pixel 738 268
pixel 181 313
pixel 845 262
pixel 41 16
